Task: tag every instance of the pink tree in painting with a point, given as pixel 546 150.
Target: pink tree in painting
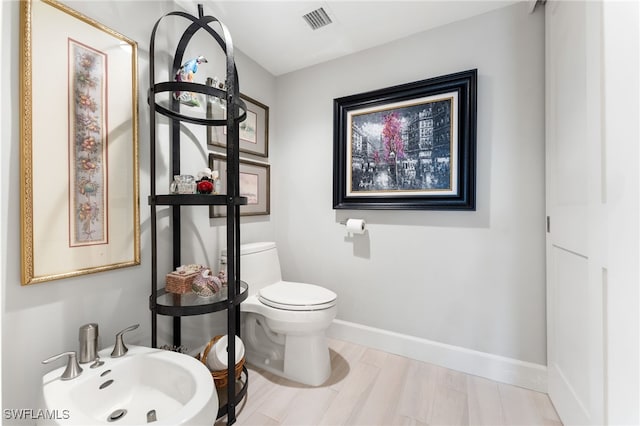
pixel 392 140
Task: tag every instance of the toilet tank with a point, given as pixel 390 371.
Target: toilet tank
pixel 259 264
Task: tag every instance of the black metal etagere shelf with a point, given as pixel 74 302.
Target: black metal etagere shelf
pixel 162 102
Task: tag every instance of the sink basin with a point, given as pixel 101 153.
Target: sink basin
pixel 145 384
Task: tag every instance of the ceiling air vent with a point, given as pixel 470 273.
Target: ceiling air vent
pixel 317 19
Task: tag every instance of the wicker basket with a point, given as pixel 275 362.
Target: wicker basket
pixel 220 377
pixel 180 282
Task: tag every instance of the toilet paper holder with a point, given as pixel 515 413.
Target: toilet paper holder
pixel 344 222
pixel 355 226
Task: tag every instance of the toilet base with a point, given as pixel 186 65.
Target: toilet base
pixel 301 358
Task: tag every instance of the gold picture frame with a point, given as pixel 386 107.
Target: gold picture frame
pixel 78 145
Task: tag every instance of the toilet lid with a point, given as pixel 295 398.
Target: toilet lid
pixel 297 296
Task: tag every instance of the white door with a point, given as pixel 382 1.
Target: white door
pixel 575 276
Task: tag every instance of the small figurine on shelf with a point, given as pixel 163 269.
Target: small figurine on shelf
pixel 205 183
pixel 186 73
pixel 215 100
pixel 206 173
pixel 222 276
pixel 205 284
pixel 217 185
pixel 205 186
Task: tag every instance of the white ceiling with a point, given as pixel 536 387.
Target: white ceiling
pixel 274 34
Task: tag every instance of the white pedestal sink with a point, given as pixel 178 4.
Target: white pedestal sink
pixel 143 385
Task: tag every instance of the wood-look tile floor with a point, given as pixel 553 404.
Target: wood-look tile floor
pixel 370 387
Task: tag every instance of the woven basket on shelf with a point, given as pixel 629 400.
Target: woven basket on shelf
pixel 220 377
pixel 180 282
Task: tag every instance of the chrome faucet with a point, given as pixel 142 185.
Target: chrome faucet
pixel 119 349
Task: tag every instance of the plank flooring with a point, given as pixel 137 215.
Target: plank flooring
pixel 371 387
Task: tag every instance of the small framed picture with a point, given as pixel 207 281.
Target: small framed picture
pixel 254 130
pixel 254 184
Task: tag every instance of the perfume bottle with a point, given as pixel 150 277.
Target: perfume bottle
pixel 183 184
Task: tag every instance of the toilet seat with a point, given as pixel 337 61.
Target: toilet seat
pixel 292 296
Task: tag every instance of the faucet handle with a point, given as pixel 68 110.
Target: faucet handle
pixel 119 348
pixel 73 369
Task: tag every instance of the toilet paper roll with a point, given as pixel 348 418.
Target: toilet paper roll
pixel 217 357
pixel 356 226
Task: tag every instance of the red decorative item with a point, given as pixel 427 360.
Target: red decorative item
pixel 205 186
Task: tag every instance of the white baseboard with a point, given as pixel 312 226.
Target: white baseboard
pixel 501 369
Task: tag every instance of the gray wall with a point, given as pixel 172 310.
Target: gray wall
pixel 469 279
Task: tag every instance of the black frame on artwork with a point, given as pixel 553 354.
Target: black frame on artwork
pixel 432 163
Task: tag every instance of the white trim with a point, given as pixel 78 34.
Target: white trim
pixel 501 369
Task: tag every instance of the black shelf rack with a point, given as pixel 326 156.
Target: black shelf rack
pixel 162 102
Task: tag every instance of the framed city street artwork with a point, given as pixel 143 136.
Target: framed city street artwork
pixel 411 146
pixel 254 184
pixel 78 145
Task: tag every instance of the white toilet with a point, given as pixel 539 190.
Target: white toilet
pixel 284 323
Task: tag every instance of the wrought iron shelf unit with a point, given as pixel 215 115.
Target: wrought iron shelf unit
pixel 162 102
